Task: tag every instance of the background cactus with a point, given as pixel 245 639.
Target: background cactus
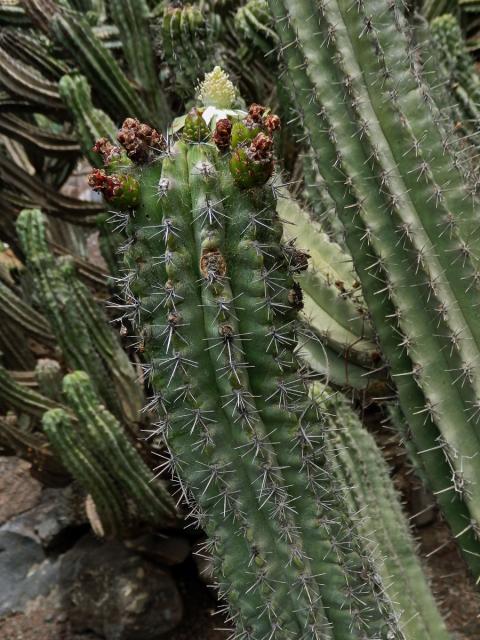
pixel 95 448
pixel 380 152
pixel 58 93
pixel 361 468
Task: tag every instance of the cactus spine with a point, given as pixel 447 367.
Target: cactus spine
pixel 211 289
pixel 410 226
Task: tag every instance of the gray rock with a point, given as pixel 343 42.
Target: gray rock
pixel 25 572
pixel 47 521
pixel 116 593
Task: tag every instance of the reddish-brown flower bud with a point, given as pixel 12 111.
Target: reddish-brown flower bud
pixel 106 149
pixel 120 190
pixel 256 112
pixel 261 147
pixel 140 140
pixel 272 122
pixel 222 134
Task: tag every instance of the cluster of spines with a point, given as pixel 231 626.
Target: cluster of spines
pixel 211 286
pixel 409 221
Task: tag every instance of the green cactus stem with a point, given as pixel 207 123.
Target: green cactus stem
pixel 360 466
pixel 14 395
pixel 215 303
pixel 90 123
pixel 410 226
pixel 49 376
pixel 339 340
pixel 79 324
pixel 96 449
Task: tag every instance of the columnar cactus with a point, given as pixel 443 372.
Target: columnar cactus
pixel 96 449
pixel 210 287
pixel 360 466
pixel 338 340
pixel 411 225
pixel 78 322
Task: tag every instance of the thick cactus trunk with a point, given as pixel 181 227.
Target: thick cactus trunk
pixel 410 225
pixel 210 286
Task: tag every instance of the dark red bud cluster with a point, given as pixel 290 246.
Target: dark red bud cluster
pixel 140 140
pixel 222 134
pixel 106 149
pixel 261 147
pixel 255 112
pixel 109 186
pixel 272 122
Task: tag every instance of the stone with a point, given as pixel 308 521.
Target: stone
pixel 50 520
pixel 26 573
pixel 116 593
pixel 19 492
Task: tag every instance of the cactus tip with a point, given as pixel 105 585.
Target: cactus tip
pixel 217 90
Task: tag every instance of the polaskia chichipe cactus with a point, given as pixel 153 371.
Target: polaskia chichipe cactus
pixel 209 286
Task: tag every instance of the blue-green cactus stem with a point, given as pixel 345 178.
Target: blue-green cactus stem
pixel 409 223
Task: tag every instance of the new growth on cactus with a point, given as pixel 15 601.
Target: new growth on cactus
pixel 211 290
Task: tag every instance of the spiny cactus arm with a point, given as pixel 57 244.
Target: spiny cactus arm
pixel 228 388
pixel 254 22
pixel 24 400
pixel 25 81
pixel 39 138
pixel 49 376
pixel 361 467
pixel 90 123
pixel 16 310
pixel 369 211
pixel 320 205
pixel 121 374
pixel 452 54
pixel 132 20
pixel 81 328
pixel 62 432
pixel 108 443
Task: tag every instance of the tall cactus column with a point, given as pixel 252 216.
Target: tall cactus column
pixel 210 285
pixel 410 225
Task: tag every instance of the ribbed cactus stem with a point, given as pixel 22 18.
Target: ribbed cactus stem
pixel 49 376
pixel 90 123
pixel 211 289
pixel 78 322
pixel 106 452
pixel 409 222
pixel 21 398
pixel 360 466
